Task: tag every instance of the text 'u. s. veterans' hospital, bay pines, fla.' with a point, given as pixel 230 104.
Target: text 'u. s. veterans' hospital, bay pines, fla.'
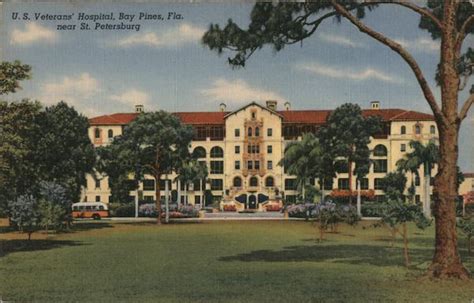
pixel 242 149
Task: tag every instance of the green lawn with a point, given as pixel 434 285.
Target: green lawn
pixel 221 262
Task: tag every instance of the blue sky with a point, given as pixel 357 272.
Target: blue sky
pixel 164 65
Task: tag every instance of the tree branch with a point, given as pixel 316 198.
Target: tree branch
pixel 465 107
pixel 462 33
pixel 420 10
pixel 403 53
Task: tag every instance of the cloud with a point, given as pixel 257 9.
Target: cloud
pixel 345 73
pixel 237 92
pixel 132 97
pixel 71 89
pixel 182 34
pixel 340 40
pixel 32 33
pixel 421 45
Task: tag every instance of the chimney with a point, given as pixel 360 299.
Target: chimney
pixel 222 107
pixel 287 105
pixel 272 104
pixel 139 108
pixel 375 104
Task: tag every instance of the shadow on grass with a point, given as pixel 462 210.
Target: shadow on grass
pixel 349 254
pixel 88 225
pixel 13 246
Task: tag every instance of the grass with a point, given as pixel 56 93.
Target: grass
pixel 251 261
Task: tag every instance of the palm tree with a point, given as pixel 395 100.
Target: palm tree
pixel 189 172
pixel 421 155
pixel 303 160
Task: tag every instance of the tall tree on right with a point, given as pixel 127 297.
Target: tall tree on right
pixel 450 21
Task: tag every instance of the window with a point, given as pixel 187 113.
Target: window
pixel 254 115
pixel 403 130
pixel 197 199
pixel 237 132
pixel 431 181
pixel 217 152
pixel 380 166
pixel 257 165
pixel 249 165
pixel 249 149
pixel 290 184
pixel 380 151
pixel 269 149
pixel 237 182
pixel 417 181
pixel 217 132
pixel 378 183
pixel 148 198
pixel 163 184
pixel 217 167
pixel 417 129
pixel 432 129
pixel 217 184
pixel 343 183
pixel 269 182
pixel 328 184
pixel 148 184
pixel 403 147
pixel 97 198
pixel 110 134
pixel 97 183
pixel 237 149
pixel 237 164
pixel 249 132
pixel 97 133
pixel 269 132
pixel 417 199
pixel 199 152
pixel 197 185
pixel 253 181
pixel 364 183
pixel 257 131
pixel 269 165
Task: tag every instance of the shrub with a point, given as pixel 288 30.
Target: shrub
pixel 230 207
pixel 466 225
pixel 24 214
pixel 189 211
pixel 273 207
pixel 147 210
pixel 125 210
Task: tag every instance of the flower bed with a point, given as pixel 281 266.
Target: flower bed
pixel 230 207
pixel 273 207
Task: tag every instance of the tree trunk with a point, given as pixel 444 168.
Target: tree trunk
pixel 405 245
pixel 427 198
pixel 158 200
pixel 446 261
pixel 349 172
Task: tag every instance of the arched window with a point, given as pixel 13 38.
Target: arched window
pixel 249 132
pixel 217 152
pixel 417 129
pixel 257 132
pixel 269 182
pixel 432 129
pixel 380 151
pixel 199 152
pixel 403 130
pixel 237 182
pixel 110 133
pixel 253 181
pixel 97 133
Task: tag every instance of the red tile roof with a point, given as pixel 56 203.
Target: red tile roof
pixel 290 116
pixel 468 175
